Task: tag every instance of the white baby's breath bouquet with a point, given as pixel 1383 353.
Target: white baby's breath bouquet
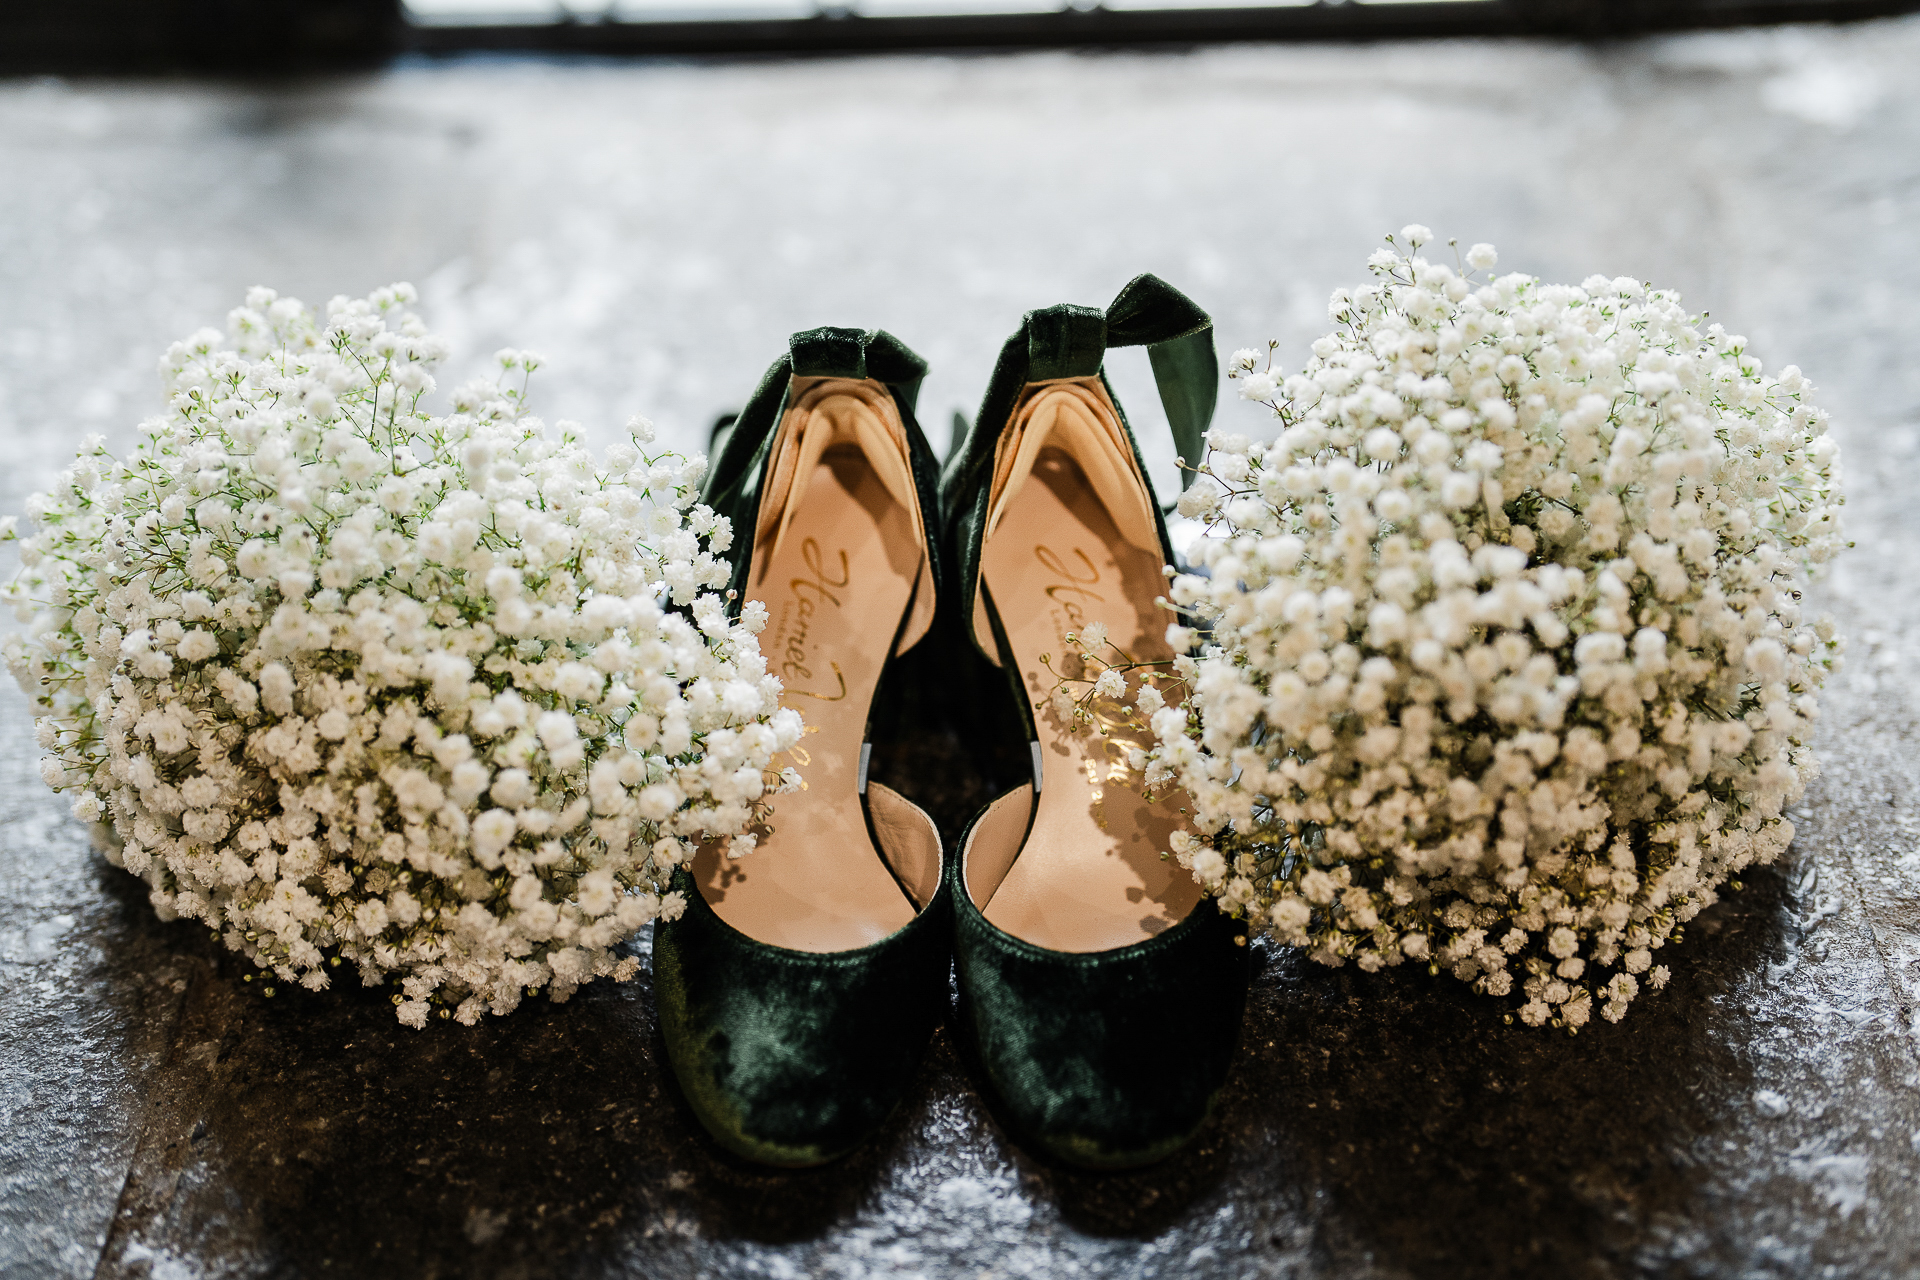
pixel 1506 671
pixel 350 681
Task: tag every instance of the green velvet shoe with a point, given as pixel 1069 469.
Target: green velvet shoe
pixel 1100 993
pixel 798 990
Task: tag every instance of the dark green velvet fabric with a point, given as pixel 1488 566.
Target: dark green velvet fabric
pixel 1105 1059
pixel 794 1057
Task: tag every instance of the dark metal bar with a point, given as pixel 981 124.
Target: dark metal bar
pixel 852 33
pixel 253 36
pixel 68 37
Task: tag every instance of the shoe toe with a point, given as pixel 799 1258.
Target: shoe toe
pixel 792 1057
pixel 1105 1060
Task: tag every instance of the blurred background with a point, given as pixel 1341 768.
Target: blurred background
pixel 656 225
pixel 653 194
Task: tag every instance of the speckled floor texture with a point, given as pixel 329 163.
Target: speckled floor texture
pixel 657 230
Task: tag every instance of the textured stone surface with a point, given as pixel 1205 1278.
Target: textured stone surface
pixel 657 230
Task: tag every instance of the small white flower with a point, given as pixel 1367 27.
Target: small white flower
pixel 1258 386
pixel 197 646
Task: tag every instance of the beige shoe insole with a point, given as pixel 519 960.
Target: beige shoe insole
pixel 1090 877
pixel 835 592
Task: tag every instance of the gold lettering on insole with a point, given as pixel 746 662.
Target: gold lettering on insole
pixel 1072 592
pixel 809 594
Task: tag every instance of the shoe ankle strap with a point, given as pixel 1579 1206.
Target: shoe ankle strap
pixel 1071 342
pixel 741 444
pixel 1068 341
pixel 855 353
pixel 827 352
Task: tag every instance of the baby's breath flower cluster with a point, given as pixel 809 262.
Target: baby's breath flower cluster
pixel 1102 689
pixel 347 681
pixel 1507 673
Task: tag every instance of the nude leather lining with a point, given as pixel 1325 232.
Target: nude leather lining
pixel 1077 416
pixel 838 548
pixel 822 412
pixel 994 843
pixel 908 839
pixel 1071 541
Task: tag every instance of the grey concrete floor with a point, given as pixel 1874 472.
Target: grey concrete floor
pixel 656 230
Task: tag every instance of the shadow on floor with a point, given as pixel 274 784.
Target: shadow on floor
pixel 1447 1142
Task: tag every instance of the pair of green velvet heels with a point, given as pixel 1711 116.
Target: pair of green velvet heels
pixel 1100 993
